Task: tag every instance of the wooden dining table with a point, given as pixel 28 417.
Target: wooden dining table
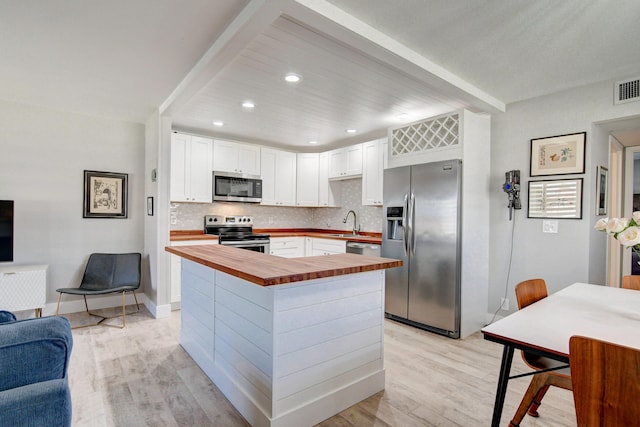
pixel 607 313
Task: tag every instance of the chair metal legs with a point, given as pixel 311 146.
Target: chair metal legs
pixel 103 318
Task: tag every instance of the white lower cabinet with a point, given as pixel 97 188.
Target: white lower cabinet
pixel 176 270
pixel 327 247
pixel 287 247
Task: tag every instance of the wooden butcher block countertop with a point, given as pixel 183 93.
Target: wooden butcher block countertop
pixel 363 237
pixel 268 270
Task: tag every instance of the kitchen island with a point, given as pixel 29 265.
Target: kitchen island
pixel 290 342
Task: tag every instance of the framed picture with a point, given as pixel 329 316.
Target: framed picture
pixel 105 195
pixel 560 198
pixel 150 206
pixel 558 155
pixel 602 183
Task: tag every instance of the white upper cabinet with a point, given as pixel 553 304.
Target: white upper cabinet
pixel 191 167
pixel 327 191
pixel 307 179
pixel 372 171
pixel 345 162
pixel 278 177
pixel 236 157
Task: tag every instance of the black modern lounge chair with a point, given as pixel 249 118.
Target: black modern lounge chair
pixel 106 274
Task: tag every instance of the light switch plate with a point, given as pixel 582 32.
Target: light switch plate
pixel 549 226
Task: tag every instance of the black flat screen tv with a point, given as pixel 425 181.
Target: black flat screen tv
pixel 6 230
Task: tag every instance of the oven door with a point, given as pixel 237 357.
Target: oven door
pixel 256 246
pixel 230 187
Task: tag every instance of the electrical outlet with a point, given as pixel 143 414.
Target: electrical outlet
pixel 549 226
pixel 504 303
pixel 270 220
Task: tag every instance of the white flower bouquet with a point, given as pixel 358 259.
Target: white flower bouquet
pixel 624 230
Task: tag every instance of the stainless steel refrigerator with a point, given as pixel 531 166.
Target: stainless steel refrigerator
pixel 422 228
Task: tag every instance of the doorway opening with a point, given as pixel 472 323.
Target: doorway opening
pixel 624 191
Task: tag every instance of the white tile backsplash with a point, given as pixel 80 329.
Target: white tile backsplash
pixel 190 216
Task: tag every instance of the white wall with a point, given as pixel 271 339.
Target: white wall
pixel 43 154
pixel 577 252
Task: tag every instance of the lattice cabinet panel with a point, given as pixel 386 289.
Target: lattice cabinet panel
pixel 23 287
pixel 432 134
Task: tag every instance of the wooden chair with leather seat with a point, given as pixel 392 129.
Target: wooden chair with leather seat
pixel 527 293
pixel 606 382
pixel 631 282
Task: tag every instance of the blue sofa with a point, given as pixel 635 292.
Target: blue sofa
pixel 34 357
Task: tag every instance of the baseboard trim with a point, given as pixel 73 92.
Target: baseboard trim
pixel 69 305
pixel 158 311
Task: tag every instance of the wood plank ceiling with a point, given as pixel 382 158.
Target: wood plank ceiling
pixel 341 88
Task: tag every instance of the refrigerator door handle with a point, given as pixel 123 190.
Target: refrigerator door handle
pixel 405 225
pixel 412 218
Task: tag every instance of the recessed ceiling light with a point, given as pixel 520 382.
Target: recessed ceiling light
pixel 402 116
pixel 218 123
pixel 248 104
pixel 292 78
pixel 313 142
pixel 351 131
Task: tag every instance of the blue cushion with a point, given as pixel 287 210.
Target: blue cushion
pixel 34 357
pixel 46 403
pixel 34 350
pixel 7 316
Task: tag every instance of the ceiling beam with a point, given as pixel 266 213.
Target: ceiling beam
pixel 347 29
pixel 332 22
pixel 254 19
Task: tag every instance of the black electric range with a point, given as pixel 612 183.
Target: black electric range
pixel 236 231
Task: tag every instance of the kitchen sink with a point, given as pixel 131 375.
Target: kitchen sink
pixel 343 235
pixel 363 249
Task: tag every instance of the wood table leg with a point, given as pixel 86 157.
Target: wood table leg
pixel 505 369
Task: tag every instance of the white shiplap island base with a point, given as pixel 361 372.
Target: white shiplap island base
pixel 291 354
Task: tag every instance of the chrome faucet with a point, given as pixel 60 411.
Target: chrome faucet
pixel 356 228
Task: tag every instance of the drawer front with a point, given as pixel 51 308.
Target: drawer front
pixel 287 252
pixel 329 245
pixel 286 243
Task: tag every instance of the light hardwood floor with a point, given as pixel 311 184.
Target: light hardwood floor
pixel 140 376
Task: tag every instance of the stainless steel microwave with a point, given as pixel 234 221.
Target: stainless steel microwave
pixel 236 187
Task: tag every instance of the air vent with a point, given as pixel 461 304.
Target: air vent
pixel 627 91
